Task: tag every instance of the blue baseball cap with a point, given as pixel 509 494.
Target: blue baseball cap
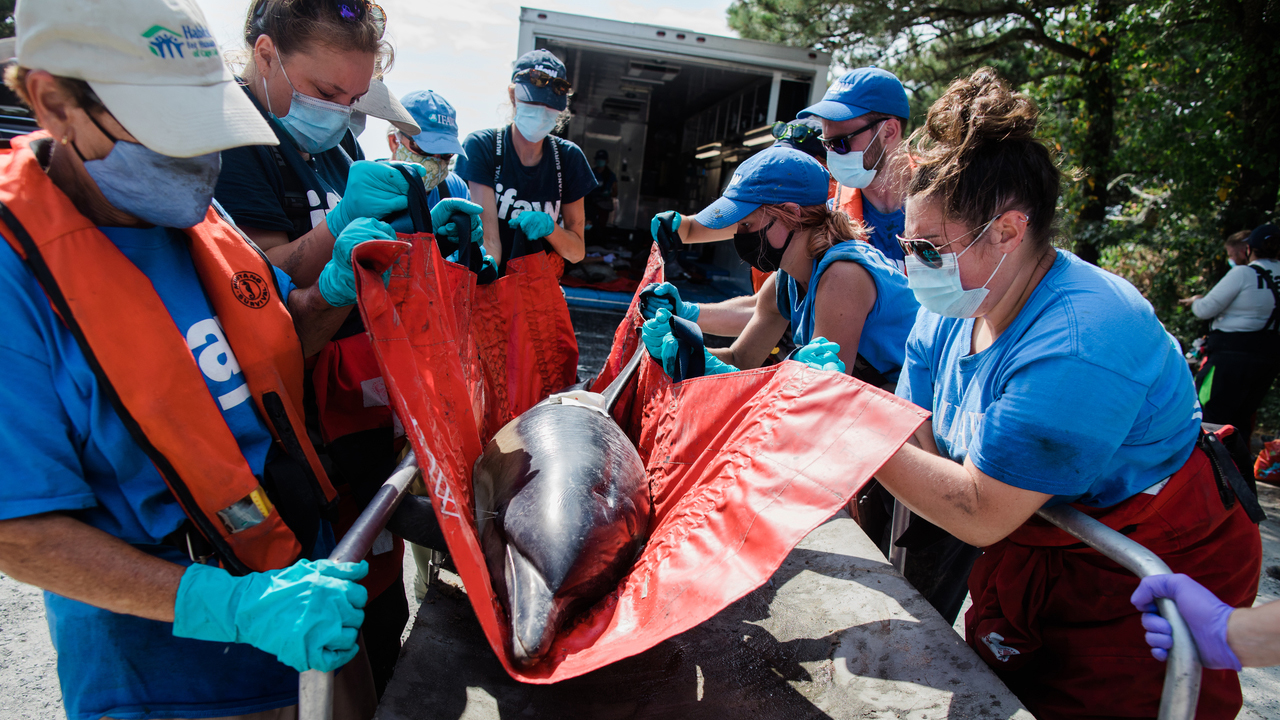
pixel 548 63
pixel 775 175
pixel 862 91
pixel 438 121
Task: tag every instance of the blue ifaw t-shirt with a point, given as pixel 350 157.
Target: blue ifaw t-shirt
pixel 66 451
pixel 1084 396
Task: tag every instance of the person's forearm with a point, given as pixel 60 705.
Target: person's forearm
pixel 957 498
pixel 1254 635
pixel 304 258
pixel 65 556
pixel 1212 304
pixel 568 244
pixel 314 319
pixel 692 232
pixel 728 318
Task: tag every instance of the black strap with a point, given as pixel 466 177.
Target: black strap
pixel 1231 484
pixel 183 495
pixel 1265 278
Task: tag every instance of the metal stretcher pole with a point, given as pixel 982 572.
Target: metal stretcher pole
pixel 901 519
pixel 1182 671
pixel 315 688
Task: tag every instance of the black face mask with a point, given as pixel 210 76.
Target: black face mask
pixel 755 250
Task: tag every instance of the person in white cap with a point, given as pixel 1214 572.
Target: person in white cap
pixel 160 484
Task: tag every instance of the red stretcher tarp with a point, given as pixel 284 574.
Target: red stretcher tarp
pixel 742 466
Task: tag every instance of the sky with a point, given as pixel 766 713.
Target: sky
pixel 463 49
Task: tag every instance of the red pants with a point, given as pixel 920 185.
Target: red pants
pixel 1065 610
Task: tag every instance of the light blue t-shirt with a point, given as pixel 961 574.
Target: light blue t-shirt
pixel 66 450
pixel 884 333
pixel 1084 396
pixel 457 189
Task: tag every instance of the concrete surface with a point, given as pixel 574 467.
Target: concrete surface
pixel 811 643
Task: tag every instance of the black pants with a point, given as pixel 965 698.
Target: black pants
pixel 938 563
pixel 1232 384
pixel 384 619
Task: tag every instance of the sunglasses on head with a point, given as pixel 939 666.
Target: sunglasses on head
pixel 351 11
pixel 539 79
pixel 844 144
pixel 788 131
pixel 931 254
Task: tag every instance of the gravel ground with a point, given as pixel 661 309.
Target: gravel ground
pixel 28 666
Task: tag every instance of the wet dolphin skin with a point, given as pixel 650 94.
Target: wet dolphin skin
pixel 562 510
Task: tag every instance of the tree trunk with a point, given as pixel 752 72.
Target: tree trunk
pixel 1099 137
pixel 1253 199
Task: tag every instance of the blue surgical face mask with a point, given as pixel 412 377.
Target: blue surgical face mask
pixel 939 290
pixel 157 189
pixel 316 125
pixel 535 122
pixel 848 168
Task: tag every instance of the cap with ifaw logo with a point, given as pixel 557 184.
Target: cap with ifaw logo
pixel 153 63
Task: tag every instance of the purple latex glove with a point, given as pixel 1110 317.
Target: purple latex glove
pixel 1205 614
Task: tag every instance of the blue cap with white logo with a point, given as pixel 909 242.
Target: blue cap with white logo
pixel 773 176
pixel 438 121
pixel 862 91
pixel 526 91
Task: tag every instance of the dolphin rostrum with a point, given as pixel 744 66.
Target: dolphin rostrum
pixel 562 510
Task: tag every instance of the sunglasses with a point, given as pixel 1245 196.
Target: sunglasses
pixel 844 144
pixel 539 79
pixel 351 11
pixel 931 254
pixel 787 131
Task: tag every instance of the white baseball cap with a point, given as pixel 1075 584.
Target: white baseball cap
pixel 379 102
pixel 153 63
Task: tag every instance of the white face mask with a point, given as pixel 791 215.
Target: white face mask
pixel 848 168
pixel 535 122
pixel 939 290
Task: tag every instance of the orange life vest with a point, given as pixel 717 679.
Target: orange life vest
pixel 143 364
pixel 851 203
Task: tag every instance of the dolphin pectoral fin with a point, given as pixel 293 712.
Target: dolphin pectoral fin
pixel 533 609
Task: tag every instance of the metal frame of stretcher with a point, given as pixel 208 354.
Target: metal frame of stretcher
pixel 1182 671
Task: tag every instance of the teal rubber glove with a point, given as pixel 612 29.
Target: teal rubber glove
pixel 337 280
pixel 446 208
pixel 663 346
pixel 820 354
pixel 307 615
pixel 669 221
pixel 654 334
pixel 666 295
pixel 716 366
pixel 374 190
pixel 534 223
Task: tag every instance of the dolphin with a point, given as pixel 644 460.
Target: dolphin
pixel 562 510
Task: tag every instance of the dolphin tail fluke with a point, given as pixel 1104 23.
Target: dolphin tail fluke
pixel 534 614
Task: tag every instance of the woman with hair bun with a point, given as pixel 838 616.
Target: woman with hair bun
pixel 1051 381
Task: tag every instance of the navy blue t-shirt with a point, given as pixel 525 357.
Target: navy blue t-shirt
pixel 523 188
pixel 66 450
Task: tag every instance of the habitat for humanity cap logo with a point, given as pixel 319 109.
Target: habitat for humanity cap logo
pixel 195 41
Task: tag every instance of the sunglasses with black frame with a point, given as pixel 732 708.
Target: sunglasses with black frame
pixel 842 145
pixel 539 79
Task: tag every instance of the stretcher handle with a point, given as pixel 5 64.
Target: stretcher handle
pixel 315 688
pixel 1182 671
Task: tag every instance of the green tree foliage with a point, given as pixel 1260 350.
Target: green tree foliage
pixel 1167 112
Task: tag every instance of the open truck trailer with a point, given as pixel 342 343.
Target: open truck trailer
pixel 677 112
